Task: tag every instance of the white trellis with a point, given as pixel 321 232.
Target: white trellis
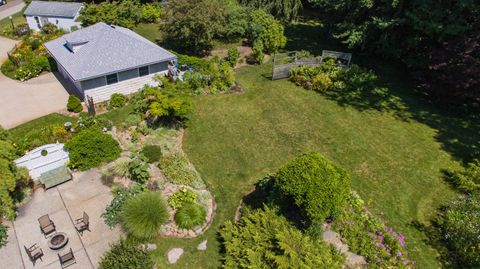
pixel 54 156
pixel 284 62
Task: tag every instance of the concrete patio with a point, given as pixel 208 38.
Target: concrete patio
pixel 64 204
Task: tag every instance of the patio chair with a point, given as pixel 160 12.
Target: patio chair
pixel 34 253
pixel 46 225
pixel 82 224
pixel 66 259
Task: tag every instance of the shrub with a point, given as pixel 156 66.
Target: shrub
pixel 143 215
pixel 153 153
pixel 318 187
pixel 321 82
pixel 138 168
pixel 257 52
pixel 3 235
pixel 461 230
pixel 74 104
pixel 178 171
pixel 265 29
pixel 32 68
pixel 151 13
pixel 132 119
pixel 190 215
pixel 264 239
pixel 113 212
pixel 125 255
pixel 182 197
pixel 8 68
pixel 466 179
pixel 118 100
pixel 233 56
pixel 90 148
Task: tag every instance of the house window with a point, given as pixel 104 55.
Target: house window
pixel 112 79
pixel 37 20
pixel 143 71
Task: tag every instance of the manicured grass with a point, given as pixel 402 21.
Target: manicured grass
pixel 117 116
pixel 150 31
pixel 51 119
pixel 5 23
pixel 235 140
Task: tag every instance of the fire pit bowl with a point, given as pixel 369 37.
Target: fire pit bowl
pixel 58 240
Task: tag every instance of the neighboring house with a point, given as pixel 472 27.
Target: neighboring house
pixel 61 14
pixel 102 59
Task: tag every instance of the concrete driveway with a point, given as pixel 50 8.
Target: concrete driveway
pixel 24 101
pixel 12 7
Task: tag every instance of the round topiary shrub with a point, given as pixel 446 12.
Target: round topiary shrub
pixel 90 148
pixel 152 152
pixel 190 215
pixel 74 104
pixel 318 187
pixel 125 255
pixel 118 100
pixel 461 230
pixel 143 215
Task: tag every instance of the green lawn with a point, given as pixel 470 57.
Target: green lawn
pixel 150 31
pixel 20 131
pixel 235 140
pixel 5 23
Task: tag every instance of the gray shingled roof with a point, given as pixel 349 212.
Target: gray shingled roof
pixel 52 9
pixel 104 49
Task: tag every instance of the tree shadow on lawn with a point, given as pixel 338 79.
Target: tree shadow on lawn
pixel 457 129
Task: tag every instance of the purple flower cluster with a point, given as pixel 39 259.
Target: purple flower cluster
pixel 390 245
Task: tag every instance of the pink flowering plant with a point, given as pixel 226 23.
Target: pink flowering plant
pixel 368 236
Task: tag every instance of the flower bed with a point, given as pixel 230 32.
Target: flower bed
pixel 29 58
pixel 370 237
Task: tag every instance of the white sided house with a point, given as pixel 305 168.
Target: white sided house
pixel 102 59
pixel 60 14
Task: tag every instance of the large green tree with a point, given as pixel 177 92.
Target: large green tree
pixel 191 26
pixel 284 10
pixel 126 13
pixel 414 32
pixel 12 178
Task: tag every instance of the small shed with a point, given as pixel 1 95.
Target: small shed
pixel 63 15
pixel 44 159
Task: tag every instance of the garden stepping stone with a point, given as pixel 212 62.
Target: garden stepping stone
pixel 150 247
pixel 174 254
pixel 202 246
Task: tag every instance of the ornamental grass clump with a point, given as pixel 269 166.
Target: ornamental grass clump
pixel 190 215
pixel 143 215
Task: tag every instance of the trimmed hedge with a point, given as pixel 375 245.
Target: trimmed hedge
pixel 318 187
pixel 90 148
